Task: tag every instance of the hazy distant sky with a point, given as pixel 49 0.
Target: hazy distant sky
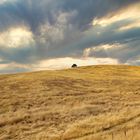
pixel 53 34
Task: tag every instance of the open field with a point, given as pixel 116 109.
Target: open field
pixel 87 103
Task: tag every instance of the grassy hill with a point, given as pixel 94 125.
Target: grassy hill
pixel 87 103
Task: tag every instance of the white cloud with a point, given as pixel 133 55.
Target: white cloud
pixel 4 1
pixel 16 37
pixel 129 13
pixel 127 53
pixel 62 63
pixel 105 47
pixel 12 67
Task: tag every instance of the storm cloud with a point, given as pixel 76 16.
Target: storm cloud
pixel 32 31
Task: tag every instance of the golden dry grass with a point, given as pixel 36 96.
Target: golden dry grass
pixel 87 103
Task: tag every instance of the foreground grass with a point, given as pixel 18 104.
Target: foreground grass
pixel 87 103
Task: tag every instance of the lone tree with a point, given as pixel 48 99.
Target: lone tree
pixel 74 66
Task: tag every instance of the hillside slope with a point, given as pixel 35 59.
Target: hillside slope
pixel 87 103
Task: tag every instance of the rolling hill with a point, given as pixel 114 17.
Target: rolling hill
pixel 86 103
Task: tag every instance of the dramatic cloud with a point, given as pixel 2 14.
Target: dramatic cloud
pixel 41 34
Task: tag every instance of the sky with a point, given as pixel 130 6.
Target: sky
pixel 54 34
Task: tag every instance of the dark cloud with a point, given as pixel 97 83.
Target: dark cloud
pixel 62 26
pixel 89 9
pixel 34 12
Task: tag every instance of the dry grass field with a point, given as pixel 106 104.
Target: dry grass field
pixel 87 103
